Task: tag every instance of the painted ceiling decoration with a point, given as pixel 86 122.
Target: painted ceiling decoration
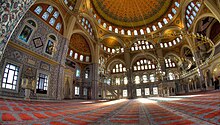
pixel 131 13
pixel 111 43
pixel 79 44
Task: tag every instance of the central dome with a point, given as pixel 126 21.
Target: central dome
pixel 131 13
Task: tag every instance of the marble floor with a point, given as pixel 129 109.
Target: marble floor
pixel 198 109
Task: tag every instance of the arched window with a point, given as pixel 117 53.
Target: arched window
pixel 116 30
pixel 129 32
pixel 51 45
pixel 77 73
pixel 104 25
pixel 27 31
pixel 87 26
pixel 125 80
pixel 71 53
pixel 160 25
pixel 38 10
pixel 165 21
pixel 81 57
pixel 99 21
pixel 161 45
pixel 137 80
pixel 174 11
pixel 135 32
pixel 142 31
pixel 140 45
pixel 169 63
pixel 148 30
pixel 87 58
pixel 171 76
pixel 154 28
pixel 50 15
pixel 76 56
pixel 45 15
pixel 118 68
pixel 110 28
pixel 177 4
pixel 152 78
pixel 191 12
pixel 170 16
pixel 170 44
pixel 144 64
pixel 117 81
pixel 122 32
pixel 87 74
pixel 144 77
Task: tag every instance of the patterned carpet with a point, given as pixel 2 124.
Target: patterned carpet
pixel 203 109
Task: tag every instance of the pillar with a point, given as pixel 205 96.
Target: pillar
pixel 197 59
pixel 95 75
pixel 128 66
pixel 12 12
pixel 160 55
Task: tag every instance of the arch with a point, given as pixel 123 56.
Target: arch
pixel 32 20
pixel 137 39
pixel 27 31
pixel 172 54
pixel 54 4
pixel 115 37
pixel 183 17
pixel 195 26
pixel 173 28
pixel 113 62
pixel 91 46
pixel 182 49
pixel 214 65
pixel 136 57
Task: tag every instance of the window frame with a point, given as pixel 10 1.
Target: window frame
pixel 48 84
pixel 55 44
pixel 34 29
pixel 18 79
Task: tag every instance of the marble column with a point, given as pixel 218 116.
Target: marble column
pixel 11 12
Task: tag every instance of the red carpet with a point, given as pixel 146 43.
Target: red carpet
pixel 203 109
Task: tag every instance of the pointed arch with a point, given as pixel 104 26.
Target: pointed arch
pixel 89 41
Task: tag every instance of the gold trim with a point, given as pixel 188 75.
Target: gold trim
pixel 25 50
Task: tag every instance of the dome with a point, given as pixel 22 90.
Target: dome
pixel 132 13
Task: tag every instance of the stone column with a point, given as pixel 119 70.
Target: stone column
pixel 12 12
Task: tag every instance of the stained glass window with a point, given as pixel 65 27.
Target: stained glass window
pixel 38 10
pixel 45 15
